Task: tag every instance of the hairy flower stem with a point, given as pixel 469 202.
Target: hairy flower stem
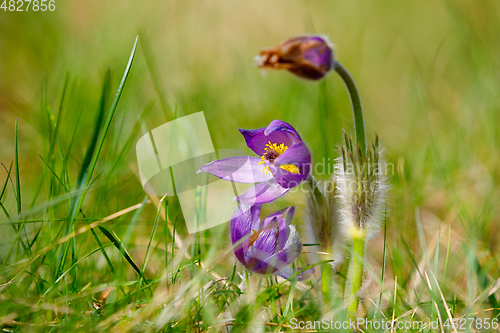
pixel 326 283
pixel 357 108
pixel 358 247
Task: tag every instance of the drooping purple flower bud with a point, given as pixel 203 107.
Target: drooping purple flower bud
pixel 284 162
pixel 267 246
pixel 309 57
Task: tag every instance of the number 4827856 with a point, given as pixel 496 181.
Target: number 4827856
pixel 27 5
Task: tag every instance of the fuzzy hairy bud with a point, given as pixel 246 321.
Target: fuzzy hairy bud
pixel 323 218
pixel 361 188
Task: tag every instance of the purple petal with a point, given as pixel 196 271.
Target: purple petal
pixel 262 248
pixel 263 268
pixel 292 247
pixel 309 57
pixel 271 264
pixel 284 218
pixel 262 193
pixel 276 132
pixel 285 178
pixel 241 228
pixel 278 125
pixel 240 169
pixel 280 259
pixel 321 55
pixel 284 227
pixel 257 140
pixel 298 155
pixel 266 222
pixel 271 221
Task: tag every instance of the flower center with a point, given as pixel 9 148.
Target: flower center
pixel 272 151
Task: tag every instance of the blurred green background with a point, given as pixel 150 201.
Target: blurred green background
pixel 428 72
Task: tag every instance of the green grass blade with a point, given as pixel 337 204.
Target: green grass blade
pixel 384 255
pixel 53 173
pixel 111 112
pixel 447 252
pixel 119 245
pixel 58 122
pixel 436 255
pixel 148 249
pixel 18 182
pixel 153 70
pixel 72 266
pixel 70 146
pixel 97 129
pixel 79 261
pixel 133 221
pixel 6 180
pixel 131 138
pixel 86 175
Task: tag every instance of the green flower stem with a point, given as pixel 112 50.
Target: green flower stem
pixel 346 266
pixel 356 276
pixel 326 282
pixel 247 280
pixel 357 108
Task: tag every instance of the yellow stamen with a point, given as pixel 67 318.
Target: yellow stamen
pixel 253 237
pixel 277 150
pixel 290 168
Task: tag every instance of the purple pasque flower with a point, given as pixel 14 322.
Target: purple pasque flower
pixel 267 246
pixel 284 162
pixel 309 57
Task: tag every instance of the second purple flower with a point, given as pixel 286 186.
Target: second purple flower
pixel 268 246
